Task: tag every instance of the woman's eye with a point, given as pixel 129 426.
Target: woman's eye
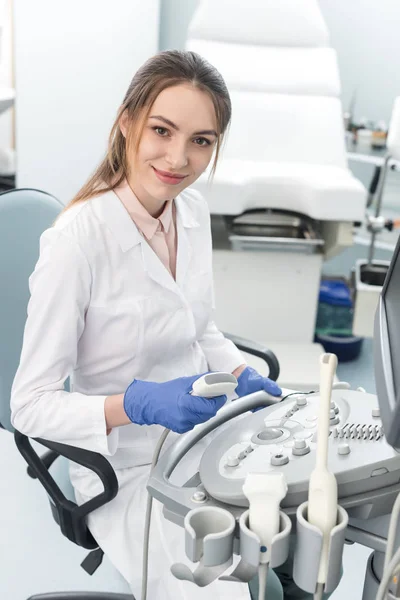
pixel 202 142
pixel 161 131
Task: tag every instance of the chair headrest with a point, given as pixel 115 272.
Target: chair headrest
pixel 24 216
pixel 290 23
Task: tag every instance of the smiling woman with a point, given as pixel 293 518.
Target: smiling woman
pixel 176 145
pixel 122 303
pixel 170 124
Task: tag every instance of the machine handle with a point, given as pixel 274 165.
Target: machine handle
pixel 159 483
pixel 257 350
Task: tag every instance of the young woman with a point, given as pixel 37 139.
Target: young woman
pixel 122 302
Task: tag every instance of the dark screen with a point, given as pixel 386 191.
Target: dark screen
pixel 391 298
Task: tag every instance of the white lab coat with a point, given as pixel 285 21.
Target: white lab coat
pixel 104 310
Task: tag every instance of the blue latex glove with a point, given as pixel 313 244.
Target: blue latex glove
pixel 169 404
pixel 249 381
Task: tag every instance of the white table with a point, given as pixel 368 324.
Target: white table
pixel 372 159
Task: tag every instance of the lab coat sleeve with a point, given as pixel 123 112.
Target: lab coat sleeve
pixel 221 354
pixel 40 407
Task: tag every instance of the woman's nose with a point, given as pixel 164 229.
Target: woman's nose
pixel 177 155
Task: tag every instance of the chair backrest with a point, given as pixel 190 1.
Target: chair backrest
pixel 282 77
pixel 24 215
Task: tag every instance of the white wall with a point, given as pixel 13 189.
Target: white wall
pixel 74 61
pixel 6 137
pixel 365 34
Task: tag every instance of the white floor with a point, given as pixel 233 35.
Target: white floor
pixel 34 556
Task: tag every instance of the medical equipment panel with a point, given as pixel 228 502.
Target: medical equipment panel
pixel 283 438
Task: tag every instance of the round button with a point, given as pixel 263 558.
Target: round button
pixel 376 413
pixel 344 449
pixel 232 461
pixel 278 460
pixel 333 418
pixel 334 407
pixel 300 448
pixel 312 418
pixel 271 433
pixel 299 444
pixel 199 497
pixel 301 400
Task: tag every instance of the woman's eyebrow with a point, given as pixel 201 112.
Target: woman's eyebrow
pixel 171 124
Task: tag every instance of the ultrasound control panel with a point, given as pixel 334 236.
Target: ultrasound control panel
pixel 284 437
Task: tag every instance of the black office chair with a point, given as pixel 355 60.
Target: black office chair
pixel 24 215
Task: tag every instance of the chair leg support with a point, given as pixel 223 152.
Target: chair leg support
pixel 47 458
pixel 81 596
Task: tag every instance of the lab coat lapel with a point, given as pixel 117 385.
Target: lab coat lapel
pixel 155 269
pixel 112 212
pixel 185 221
pixel 184 253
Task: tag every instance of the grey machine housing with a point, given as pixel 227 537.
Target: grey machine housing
pixel 283 436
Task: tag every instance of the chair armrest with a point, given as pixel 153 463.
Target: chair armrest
pixel 257 350
pixel 70 515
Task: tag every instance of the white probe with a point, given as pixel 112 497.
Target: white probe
pixel 219 383
pixel 264 491
pixel 214 384
pixel 323 494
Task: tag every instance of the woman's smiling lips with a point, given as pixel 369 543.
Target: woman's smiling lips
pixel 169 178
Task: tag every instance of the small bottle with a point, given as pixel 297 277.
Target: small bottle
pixel 379 135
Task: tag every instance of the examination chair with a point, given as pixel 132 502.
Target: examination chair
pixel 282 188
pixel 24 215
pixel 285 148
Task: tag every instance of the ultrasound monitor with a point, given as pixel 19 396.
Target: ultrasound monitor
pixel 387 351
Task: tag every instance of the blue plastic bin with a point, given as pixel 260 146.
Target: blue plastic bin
pixel 335 320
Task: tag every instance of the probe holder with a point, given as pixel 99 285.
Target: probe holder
pixel 209 538
pixel 250 545
pixel 250 542
pixel 308 548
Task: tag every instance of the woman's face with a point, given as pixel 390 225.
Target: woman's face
pixel 177 144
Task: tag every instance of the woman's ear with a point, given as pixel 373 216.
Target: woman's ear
pixel 123 123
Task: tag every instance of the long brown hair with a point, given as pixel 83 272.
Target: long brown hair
pixel 164 70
